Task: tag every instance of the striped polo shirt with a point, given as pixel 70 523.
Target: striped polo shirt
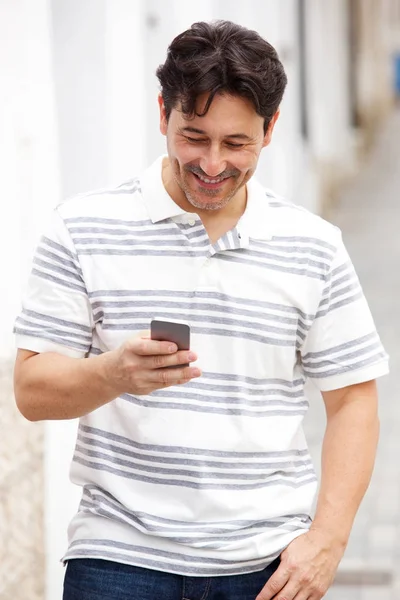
pixel 212 477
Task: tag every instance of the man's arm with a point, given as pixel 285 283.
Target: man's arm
pixel 309 563
pixel 53 386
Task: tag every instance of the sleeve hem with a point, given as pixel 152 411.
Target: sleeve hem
pixel 41 345
pixel 352 377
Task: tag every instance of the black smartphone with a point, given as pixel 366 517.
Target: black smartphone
pixel 168 331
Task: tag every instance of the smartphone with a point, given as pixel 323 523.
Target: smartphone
pixel 168 331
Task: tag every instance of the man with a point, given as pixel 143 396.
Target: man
pixel 197 482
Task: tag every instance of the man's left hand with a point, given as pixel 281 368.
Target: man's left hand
pixel 307 569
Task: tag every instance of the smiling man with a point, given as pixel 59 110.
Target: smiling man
pixel 197 482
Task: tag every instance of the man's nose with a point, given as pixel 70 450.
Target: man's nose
pixel 213 163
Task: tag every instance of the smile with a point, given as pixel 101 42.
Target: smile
pixel 209 181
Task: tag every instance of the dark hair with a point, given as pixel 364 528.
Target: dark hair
pixel 222 57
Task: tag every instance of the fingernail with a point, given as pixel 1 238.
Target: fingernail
pixel 196 373
pixel 172 348
pixel 192 356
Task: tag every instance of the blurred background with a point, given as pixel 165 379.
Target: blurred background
pixel 78 110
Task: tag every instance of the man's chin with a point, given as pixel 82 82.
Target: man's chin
pixel 208 203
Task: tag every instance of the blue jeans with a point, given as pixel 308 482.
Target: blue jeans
pixel 93 579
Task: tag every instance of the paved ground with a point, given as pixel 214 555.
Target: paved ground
pixel 369 216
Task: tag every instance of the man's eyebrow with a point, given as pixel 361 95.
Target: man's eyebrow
pixel 240 136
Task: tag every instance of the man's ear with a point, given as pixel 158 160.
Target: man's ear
pixel 163 115
pixel 272 123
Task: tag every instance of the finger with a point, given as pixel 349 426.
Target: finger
pixel 291 591
pixel 174 376
pixel 160 361
pixel 306 596
pixel 147 347
pixel 275 584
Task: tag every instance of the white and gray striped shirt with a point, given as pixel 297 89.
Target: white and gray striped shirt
pixel 213 477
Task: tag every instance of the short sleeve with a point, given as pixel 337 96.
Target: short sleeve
pixel 342 346
pixel 56 315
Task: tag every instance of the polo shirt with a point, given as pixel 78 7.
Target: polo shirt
pixel 212 477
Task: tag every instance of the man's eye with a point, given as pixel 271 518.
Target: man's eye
pixel 231 145
pixel 194 140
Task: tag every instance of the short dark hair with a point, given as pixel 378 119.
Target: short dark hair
pixel 221 57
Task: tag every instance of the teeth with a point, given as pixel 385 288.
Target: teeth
pixel 209 180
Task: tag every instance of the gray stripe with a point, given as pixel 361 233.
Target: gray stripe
pixel 306 240
pixel 105 508
pixel 139 252
pixel 116 222
pixel 290 260
pixel 342 358
pixel 110 192
pixel 212 387
pixel 48 242
pixel 200 464
pixel 110 318
pixel 344 290
pixel 133 243
pixel 60 259
pixel 336 305
pixel 252 380
pixel 185 558
pixel 348 276
pixel 198 477
pixel 57 333
pixel 43 335
pixel 219 246
pixel 181 306
pixel 346 267
pixel 70 324
pixel 226 400
pixel 276 204
pixel 192 484
pixel 153 232
pixel 273 267
pixel 198 294
pixel 140 326
pixel 378 358
pixel 346 301
pixel 293 412
pixel 341 347
pixel 56 269
pixel 292 249
pixel 187 450
pixel 91 491
pixel 62 282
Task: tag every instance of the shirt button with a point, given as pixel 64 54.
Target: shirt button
pixel 191 222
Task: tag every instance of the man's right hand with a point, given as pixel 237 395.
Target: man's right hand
pixel 140 365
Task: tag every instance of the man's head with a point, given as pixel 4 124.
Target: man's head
pixel 221 87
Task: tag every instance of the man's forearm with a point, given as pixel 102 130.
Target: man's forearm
pixel 59 387
pixel 348 457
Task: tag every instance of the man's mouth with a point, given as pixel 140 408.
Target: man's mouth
pixel 210 182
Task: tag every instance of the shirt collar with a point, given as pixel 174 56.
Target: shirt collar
pixel 158 202
pixel 254 223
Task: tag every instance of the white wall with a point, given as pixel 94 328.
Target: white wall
pixel 28 152
pixel 327 47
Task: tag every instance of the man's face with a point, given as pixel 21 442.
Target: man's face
pixel 212 157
